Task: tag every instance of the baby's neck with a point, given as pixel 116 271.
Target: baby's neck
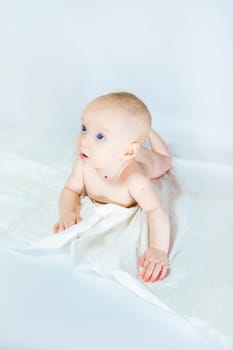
pixel 111 173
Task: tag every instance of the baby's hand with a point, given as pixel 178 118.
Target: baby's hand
pixel 66 221
pixel 155 265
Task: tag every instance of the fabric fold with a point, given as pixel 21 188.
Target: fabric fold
pixel 110 239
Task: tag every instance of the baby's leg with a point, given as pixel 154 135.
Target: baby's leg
pixel 162 160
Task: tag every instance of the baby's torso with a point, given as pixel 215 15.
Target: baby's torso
pixel 114 191
pixel 106 192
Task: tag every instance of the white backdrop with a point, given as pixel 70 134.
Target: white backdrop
pixel 55 56
pixel 177 56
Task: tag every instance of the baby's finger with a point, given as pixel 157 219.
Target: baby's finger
pixel 67 224
pixel 147 271
pixel 61 227
pixel 55 228
pixel 70 223
pixel 163 272
pixel 142 259
pixel 155 273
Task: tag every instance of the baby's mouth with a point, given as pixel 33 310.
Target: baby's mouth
pixel 83 156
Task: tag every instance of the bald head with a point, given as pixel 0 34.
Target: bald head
pixel 129 110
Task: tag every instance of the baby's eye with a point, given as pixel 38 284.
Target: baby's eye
pixel 83 129
pixel 100 137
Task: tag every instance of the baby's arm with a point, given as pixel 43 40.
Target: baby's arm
pixel 155 259
pixel 69 199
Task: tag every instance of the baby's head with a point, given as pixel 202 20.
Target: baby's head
pixel 114 127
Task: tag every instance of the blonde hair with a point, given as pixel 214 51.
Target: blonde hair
pixel 132 107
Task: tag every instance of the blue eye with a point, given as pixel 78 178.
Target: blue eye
pixel 83 129
pixel 100 137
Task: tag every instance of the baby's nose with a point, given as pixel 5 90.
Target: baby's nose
pixel 85 141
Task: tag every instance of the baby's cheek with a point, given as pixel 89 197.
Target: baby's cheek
pixel 98 160
pixel 101 159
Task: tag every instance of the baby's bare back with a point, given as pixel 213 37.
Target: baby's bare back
pixel 116 191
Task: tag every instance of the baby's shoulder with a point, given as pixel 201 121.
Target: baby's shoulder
pixel 135 171
pixel 75 180
pixel 77 167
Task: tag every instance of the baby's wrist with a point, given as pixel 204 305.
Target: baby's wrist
pixel 66 213
pixel 153 246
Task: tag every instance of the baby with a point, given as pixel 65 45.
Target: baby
pixel 114 167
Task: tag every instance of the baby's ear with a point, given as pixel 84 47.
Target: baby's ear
pixel 132 151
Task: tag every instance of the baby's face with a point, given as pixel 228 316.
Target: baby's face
pixel 103 137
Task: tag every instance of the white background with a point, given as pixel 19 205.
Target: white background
pixel 176 55
pixel 55 56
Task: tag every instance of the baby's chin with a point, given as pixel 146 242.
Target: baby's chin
pixel 101 165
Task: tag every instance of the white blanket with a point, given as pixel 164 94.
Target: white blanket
pixel 110 238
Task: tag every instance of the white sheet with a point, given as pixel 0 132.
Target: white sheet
pixel 110 239
pixel 193 287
